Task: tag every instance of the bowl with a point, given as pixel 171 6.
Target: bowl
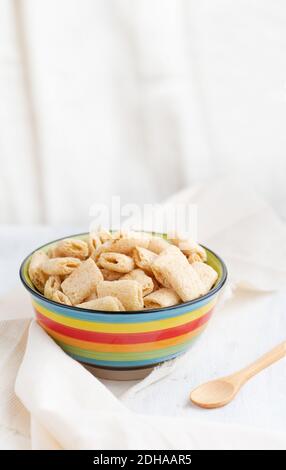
pixel 124 346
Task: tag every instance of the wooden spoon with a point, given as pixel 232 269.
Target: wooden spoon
pixel 221 391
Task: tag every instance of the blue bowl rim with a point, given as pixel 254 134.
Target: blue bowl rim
pixel 40 296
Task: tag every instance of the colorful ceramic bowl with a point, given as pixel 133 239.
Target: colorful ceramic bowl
pixel 125 345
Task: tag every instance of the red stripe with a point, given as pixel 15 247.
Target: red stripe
pixel 124 338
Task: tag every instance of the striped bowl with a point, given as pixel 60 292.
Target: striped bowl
pixel 123 346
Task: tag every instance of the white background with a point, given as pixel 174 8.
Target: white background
pixel 137 99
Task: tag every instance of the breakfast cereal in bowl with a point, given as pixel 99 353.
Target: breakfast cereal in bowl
pixel 123 302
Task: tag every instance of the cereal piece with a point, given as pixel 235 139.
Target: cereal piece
pixel 108 303
pixel 189 247
pixel 161 279
pixel 172 269
pixel 101 248
pixel 207 275
pixel 110 275
pixel 98 237
pixel 161 298
pixel 194 257
pixel 158 244
pixel 52 285
pixel 156 284
pixel 126 245
pixel 129 293
pixel 51 252
pixel 92 296
pixel 94 242
pixel 144 258
pixel 140 276
pixel 82 281
pixel 71 247
pixel 36 273
pixel 58 296
pixel 60 266
pixel 122 242
pixel 104 235
pixel 116 262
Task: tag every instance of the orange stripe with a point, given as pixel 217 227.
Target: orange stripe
pixel 123 347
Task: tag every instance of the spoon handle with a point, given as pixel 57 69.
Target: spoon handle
pixel 264 361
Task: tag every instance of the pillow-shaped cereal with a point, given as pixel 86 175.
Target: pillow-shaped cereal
pixel 36 272
pixel 82 281
pixel 108 303
pixel 52 285
pixel 94 242
pixel 92 296
pixel 207 275
pixel 116 262
pixel 194 257
pixel 158 244
pixel 110 275
pixel 104 235
pixel 101 248
pixel 172 269
pixel 60 266
pixel 140 276
pixel 129 293
pixel 126 245
pixel 189 247
pixel 71 247
pixel 60 297
pixel 161 298
pixel 144 258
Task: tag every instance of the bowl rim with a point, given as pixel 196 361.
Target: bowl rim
pixel 40 296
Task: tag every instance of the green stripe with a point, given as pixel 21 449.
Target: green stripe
pixel 102 355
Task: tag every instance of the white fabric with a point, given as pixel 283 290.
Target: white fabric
pixel 63 406
pixel 80 413
pixel 137 99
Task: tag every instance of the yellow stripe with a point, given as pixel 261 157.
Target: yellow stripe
pixel 123 347
pixel 125 327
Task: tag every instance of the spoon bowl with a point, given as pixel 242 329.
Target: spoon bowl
pixel 214 394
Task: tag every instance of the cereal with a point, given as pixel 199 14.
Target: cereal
pixel 142 278
pixel 194 257
pixel 82 282
pixel 116 262
pixel 189 247
pixel 120 271
pixel 129 293
pixel 144 258
pixel 108 303
pixel 172 269
pixel 161 298
pixel 52 285
pixel 207 275
pixel 158 244
pixel 71 247
pixel 126 245
pixel 36 272
pixel 60 297
pixel 110 275
pixel 104 235
pixel 92 296
pixel 94 242
pixel 60 266
pixel 101 248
